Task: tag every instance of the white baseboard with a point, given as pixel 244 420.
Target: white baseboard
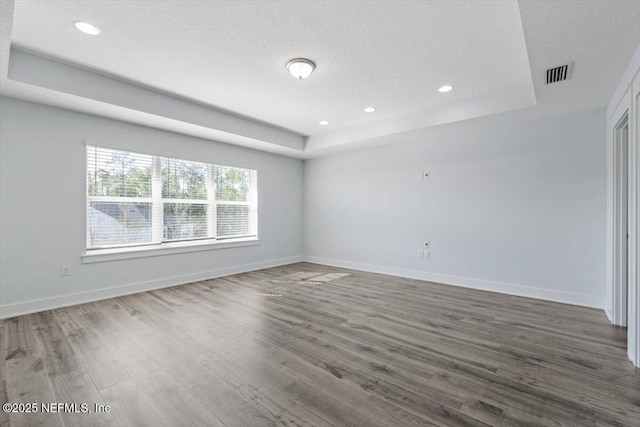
pixel 608 309
pixel 485 285
pixel 33 306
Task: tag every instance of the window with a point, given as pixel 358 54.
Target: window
pixel 140 199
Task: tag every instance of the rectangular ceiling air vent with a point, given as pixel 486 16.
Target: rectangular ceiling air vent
pixel 558 74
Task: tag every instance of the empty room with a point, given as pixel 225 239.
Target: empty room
pixel 319 213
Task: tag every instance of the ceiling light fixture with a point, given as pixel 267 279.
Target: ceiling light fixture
pixel 87 28
pixel 323 122
pixel 370 109
pixel 445 88
pixel 300 68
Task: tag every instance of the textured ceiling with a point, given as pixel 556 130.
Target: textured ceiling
pixel 232 54
pixel 215 69
pixel 598 36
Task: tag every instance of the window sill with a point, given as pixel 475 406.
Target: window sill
pixel 102 255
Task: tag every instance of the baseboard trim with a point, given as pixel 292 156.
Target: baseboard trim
pixel 34 306
pixel 466 282
pixel 608 309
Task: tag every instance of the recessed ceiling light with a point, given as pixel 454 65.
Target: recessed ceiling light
pixel 370 109
pixel 445 88
pixel 87 28
pixel 323 122
pixel 300 68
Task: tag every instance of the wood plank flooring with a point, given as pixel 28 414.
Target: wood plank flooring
pixel 298 346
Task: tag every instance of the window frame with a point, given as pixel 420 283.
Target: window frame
pixel 158 246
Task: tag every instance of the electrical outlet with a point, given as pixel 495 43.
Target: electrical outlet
pixel 65 270
pixel 426 244
pixel 425 174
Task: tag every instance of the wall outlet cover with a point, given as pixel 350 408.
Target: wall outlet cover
pixel 65 270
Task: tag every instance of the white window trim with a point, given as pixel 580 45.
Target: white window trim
pixel 174 247
pixel 102 255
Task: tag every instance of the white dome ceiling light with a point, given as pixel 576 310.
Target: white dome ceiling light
pixel 87 28
pixel 300 68
pixel 445 88
pixel 370 109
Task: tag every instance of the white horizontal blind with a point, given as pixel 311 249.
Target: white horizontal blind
pixel 118 198
pixel 184 197
pixel 235 201
pixel 140 199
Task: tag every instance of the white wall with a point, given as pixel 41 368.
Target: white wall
pixel 42 209
pixel 517 208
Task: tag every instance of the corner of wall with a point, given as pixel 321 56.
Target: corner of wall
pixel 608 310
pixel 583 300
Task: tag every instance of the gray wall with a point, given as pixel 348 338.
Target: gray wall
pixel 517 208
pixel 42 213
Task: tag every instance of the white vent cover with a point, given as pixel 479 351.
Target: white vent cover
pixel 559 73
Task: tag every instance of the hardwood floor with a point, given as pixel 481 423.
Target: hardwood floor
pixel 295 346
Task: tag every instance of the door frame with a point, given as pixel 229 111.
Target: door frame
pixel 625 102
pixel 621 276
